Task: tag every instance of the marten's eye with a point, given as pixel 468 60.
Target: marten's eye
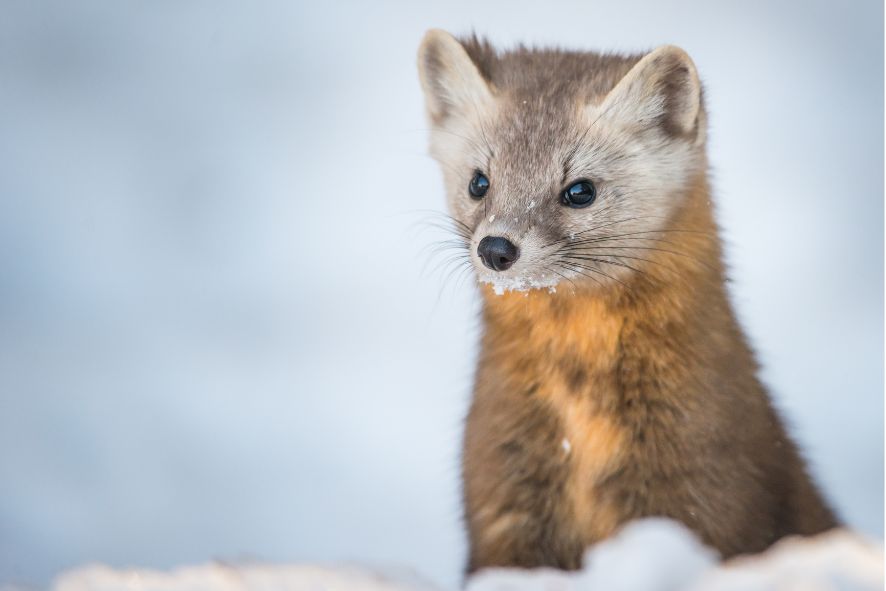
pixel 580 194
pixel 478 185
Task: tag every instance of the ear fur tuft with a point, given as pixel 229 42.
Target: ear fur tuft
pixel 662 90
pixel 451 81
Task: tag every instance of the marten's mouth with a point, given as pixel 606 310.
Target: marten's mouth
pixel 503 283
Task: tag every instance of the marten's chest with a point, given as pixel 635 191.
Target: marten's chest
pixel 542 451
pixel 574 400
pixel 546 426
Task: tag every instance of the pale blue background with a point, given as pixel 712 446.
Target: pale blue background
pixel 215 337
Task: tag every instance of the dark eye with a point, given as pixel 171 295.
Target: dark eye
pixel 478 185
pixel 580 194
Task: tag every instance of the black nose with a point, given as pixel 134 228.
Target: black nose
pixel 497 253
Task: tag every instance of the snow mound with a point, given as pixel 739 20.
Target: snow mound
pixel 662 555
pixel 226 577
pixel 647 555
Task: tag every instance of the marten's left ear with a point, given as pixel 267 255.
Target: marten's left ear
pixel 661 90
pixel 452 83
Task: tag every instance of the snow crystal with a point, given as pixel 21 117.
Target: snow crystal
pixel 567 447
pixel 502 284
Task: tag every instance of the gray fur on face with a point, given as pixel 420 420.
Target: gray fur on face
pixel 536 121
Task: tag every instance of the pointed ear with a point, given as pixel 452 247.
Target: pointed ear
pixel 450 79
pixel 661 90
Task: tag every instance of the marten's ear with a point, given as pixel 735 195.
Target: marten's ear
pixel 450 79
pixel 662 90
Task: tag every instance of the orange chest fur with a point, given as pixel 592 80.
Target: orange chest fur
pixel 567 351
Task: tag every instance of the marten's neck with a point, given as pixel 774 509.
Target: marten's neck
pixel 674 309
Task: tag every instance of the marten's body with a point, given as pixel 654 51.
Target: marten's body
pixel 623 387
pixel 591 409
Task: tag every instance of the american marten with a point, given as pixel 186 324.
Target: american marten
pixel 614 381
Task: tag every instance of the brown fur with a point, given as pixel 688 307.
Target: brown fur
pixel 654 388
pixel 609 400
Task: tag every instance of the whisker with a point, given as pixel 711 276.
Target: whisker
pixel 571 237
pixel 599 272
pixel 637 234
pixel 464 274
pixel 611 237
pixel 572 269
pixel 623 256
pixel 440 265
pixel 598 260
pixel 549 269
pixel 664 250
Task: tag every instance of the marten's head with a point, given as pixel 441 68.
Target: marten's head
pixel 561 165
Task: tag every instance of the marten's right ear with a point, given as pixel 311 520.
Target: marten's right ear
pixel 452 83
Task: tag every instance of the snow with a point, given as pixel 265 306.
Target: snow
pixel 520 283
pixel 229 577
pixel 661 555
pixel 567 447
pixel 654 554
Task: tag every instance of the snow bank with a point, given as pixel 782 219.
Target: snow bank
pixel 226 577
pixel 662 555
pixel 647 555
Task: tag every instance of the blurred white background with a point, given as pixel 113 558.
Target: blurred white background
pixel 217 340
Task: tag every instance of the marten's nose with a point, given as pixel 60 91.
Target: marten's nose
pixel 497 253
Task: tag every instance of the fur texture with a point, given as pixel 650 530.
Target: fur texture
pixel 613 381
